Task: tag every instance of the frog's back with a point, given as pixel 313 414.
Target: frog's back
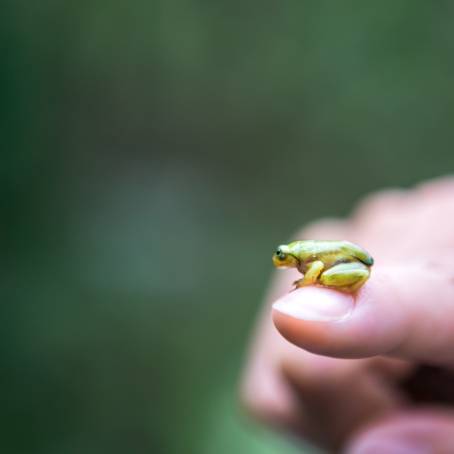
pixel 308 248
pixel 358 252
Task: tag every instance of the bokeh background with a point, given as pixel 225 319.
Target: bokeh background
pixel 153 155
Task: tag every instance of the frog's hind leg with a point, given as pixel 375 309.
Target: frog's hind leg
pixel 347 277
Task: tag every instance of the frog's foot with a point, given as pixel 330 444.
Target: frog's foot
pixel 299 283
pixel 347 277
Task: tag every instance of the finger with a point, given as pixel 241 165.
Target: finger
pixel 402 311
pixel 265 390
pixel 417 432
pixel 438 187
pixel 339 396
pixel 323 400
pixel 409 216
pixel 288 387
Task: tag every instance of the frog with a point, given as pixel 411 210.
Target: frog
pixel 341 265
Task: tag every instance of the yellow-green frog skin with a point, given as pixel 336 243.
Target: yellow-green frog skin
pixel 336 264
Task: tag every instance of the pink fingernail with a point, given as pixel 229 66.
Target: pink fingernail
pixel 315 303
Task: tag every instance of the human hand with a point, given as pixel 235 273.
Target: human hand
pixel 368 373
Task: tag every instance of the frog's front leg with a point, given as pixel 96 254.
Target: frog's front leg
pixel 348 277
pixel 311 275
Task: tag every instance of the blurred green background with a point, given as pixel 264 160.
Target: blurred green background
pixel 153 154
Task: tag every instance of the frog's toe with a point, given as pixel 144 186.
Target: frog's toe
pixel 299 283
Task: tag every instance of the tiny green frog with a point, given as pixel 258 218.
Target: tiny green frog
pixel 336 264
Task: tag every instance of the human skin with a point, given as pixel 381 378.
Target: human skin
pixel 336 369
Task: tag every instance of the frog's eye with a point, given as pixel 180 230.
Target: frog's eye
pixel 280 254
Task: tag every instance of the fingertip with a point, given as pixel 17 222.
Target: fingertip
pixel 305 317
pixel 333 323
pixel 316 304
pixel 304 334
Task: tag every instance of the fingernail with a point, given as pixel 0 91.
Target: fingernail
pixel 315 303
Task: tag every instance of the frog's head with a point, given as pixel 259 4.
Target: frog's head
pixel 282 258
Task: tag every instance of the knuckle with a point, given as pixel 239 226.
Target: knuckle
pixel 262 404
pixel 437 186
pixel 255 403
pixel 379 201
